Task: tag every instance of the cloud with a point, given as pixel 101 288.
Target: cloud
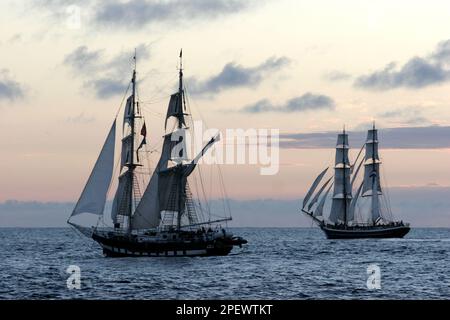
pixel 335 76
pixel 133 15
pixel 407 116
pixel 136 14
pixel 308 101
pixel 15 38
pixel 10 89
pixel 106 88
pixel 429 137
pixel 235 76
pixel 84 61
pixel 418 72
pixel 81 118
pixel 108 77
pixel 442 52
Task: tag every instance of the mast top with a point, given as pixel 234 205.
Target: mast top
pixel 135 63
pixel 181 71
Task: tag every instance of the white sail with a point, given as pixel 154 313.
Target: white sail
pixel 342 183
pixel 342 141
pixel 338 210
pixel 375 202
pixel 317 196
pixel 342 156
pixel 163 190
pixel 351 211
pixel 319 210
pixel 121 203
pixel 313 187
pixel 126 150
pixel 128 112
pixel 93 197
pixel 148 213
pixel 172 181
pixel 342 187
pixel 372 164
pixel 175 109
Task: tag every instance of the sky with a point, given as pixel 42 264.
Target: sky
pixel 306 68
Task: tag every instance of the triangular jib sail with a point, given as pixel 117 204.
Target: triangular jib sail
pixel 313 187
pixel 93 197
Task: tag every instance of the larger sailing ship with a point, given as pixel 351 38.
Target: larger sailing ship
pixel 350 217
pixel 163 221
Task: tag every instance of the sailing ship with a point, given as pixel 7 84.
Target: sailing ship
pixel 163 221
pixel 349 217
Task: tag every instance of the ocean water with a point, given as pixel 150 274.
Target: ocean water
pixel 278 263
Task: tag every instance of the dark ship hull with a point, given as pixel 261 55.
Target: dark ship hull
pixel 166 245
pixel 376 232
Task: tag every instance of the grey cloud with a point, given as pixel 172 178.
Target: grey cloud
pixel 122 62
pixel 81 118
pixel 419 120
pixel 138 13
pixel 418 72
pixel 429 137
pixel 306 102
pixel 133 15
pixel 86 61
pixel 335 76
pixel 107 88
pixel 83 60
pixel 10 89
pixel 234 75
pixel 106 76
pixel 409 116
pixel 442 52
pixel 392 113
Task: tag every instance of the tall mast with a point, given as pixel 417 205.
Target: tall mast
pixel 344 182
pixel 180 125
pixel 132 165
pixel 180 87
pixel 374 176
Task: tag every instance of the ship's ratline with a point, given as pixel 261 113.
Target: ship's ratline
pixel 163 221
pixel 346 218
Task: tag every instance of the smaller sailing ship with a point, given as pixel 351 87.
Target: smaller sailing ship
pixel 364 213
pixel 164 220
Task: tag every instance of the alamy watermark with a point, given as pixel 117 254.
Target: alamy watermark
pixel 74 280
pixel 234 146
pixel 374 277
